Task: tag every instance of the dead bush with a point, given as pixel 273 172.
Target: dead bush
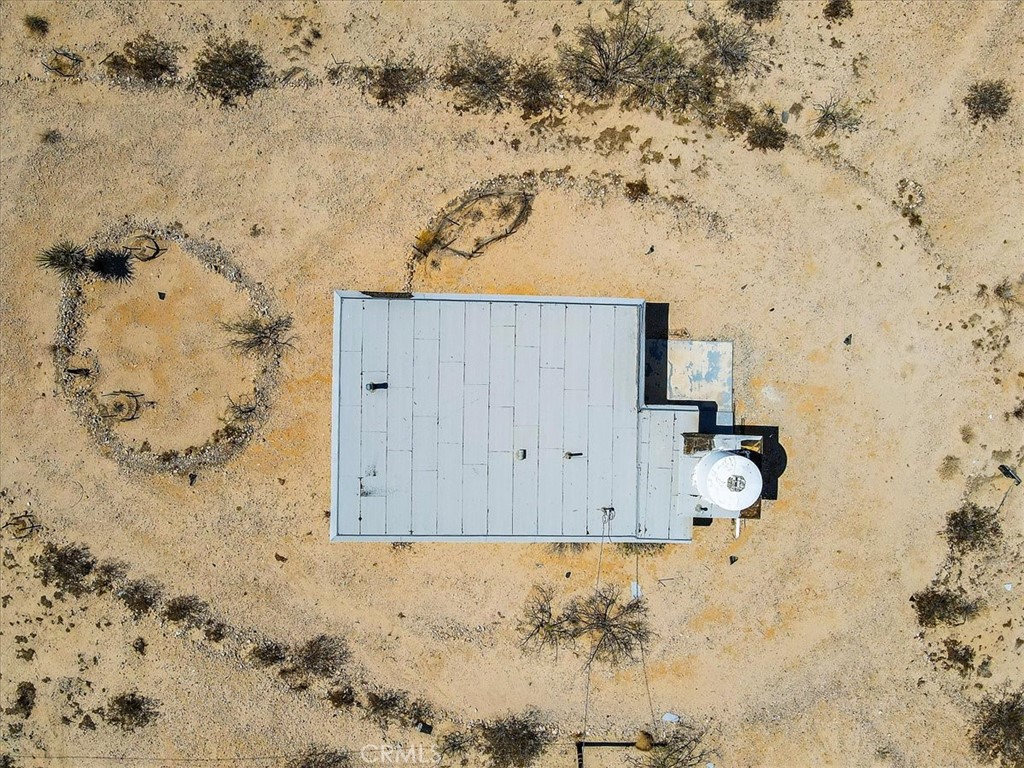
pixel 268 653
pixel 145 59
pixel 971 527
pixel 737 118
pixel 837 10
pixel 617 631
pixel 481 76
pixel 67 567
pixel 514 741
pixel 186 609
pixel 755 10
pixel 107 575
pixel 455 744
pixel 24 701
pixel 626 57
pixel 387 706
pixel 735 47
pixel 535 87
pixel 1017 412
pixel 37 26
pixel 767 132
pixel 342 697
pixel 958 656
pixel 939 605
pixel 684 747
pixel 540 626
pixel 568 547
pixel 643 549
pixel 323 655
pixel 987 100
pixel 999 728
pixel 835 115
pixel 260 335
pixel 321 757
pixel 390 83
pixel 228 70
pixel 130 711
pixel 140 596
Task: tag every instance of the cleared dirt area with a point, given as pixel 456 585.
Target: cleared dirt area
pixel 870 279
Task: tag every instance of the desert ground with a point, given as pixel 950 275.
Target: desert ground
pixel 858 325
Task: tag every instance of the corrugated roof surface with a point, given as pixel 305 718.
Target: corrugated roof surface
pixel 473 382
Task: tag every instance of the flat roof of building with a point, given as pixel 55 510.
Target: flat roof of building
pixel 503 418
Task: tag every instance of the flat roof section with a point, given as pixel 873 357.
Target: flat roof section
pixel 503 418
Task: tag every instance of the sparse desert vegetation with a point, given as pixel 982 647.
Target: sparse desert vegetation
pixel 987 100
pixel 229 69
pixel 145 59
pixel 999 728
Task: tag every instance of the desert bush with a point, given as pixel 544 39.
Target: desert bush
pixel 186 609
pixel 999 728
pixel 67 567
pixel 107 575
pixel 24 700
pixel 835 115
pixel 37 26
pixel 514 741
pixel 341 697
pixel 129 711
pixel 269 652
pixel 455 744
pixel 1017 412
pixel 323 655
pixel 958 656
pixel 482 77
pixel 535 88
pixel 971 528
pixel 386 705
pixel 389 83
pixel 767 132
pixel 112 266
pixel 644 549
pixel 260 335
pixel 637 190
pixel 737 118
pixel 139 596
pixel 683 748
pixel 145 58
pixel 568 547
pixel 65 258
pixel 939 605
pixel 321 757
pixel 987 100
pixel 617 631
pixel 836 10
pixel 1006 292
pixel 51 136
pixel 215 631
pixel 228 69
pixel 755 10
pixel 735 47
pixel 539 625
pixel 627 56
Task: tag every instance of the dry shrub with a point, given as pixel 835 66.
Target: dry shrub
pixel 323 655
pixel 514 741
pixel 971 528
pixel 67 567
pixel 999 728
pixel 987 100
pixel 228 70
pixel 321 757
pixel 568 547
pixel 186 609
pixel 737 118
pixel 940 605
pixel 107 575
pixel 636 190
pixel 767 132
pixel 390 83
pixel 835 116
pixel 139 596
pixel 539 625
pixel 260 335
pixel 342 697
pixel 482 77
pixel 535 87
pixel 24 700
pixel 387 705
pixel 129 711
pixel 37 26
pixel 683 748
pixel 958 656
pixel 617 631
pixel 643 549
pixel 735 47
pixel 145 58
pixel 268 652
pixel 837 10
pixel 755 10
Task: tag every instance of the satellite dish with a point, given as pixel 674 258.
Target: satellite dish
pixel 731 481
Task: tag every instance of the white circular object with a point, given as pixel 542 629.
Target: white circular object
pixel 731 481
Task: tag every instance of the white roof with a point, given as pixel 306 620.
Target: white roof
pixel 472 383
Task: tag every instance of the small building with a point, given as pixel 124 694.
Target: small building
pixel 519 418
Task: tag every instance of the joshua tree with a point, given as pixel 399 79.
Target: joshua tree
pixel 65 258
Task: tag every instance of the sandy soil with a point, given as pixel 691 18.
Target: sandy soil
pixel 805 652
